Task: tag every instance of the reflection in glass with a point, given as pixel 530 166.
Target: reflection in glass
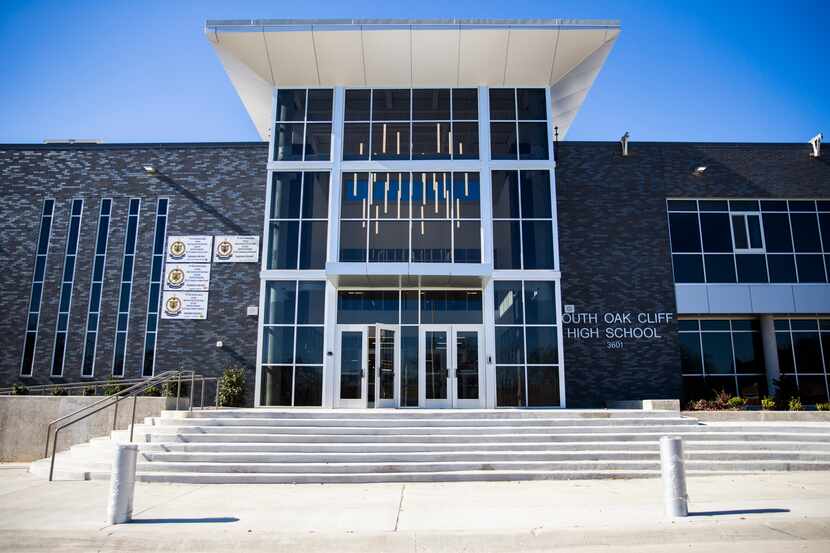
pixel 308 386
pixel 386 365
pixel 503 141
pixel 509 345
pixel 279 302
pixel 318 142
pixel 277 344
pixel 510 387
pixel 533 140
pixel 288 145
pixel 291 104
pixel 466 364
pixel 542 386
pixel 276 385
pixel 540 302
pixel 313 244
pixel 282 243
pixel 309 345
pixel 435 362
pixel 351 364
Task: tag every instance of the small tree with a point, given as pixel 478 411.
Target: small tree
pixel 59 392
pixel 232 387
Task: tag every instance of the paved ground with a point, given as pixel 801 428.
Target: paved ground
pixel 758 513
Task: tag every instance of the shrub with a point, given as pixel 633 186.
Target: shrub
pixel 169 388
pixel 785 390
pixel 152 391
pixel 20 390
pixel 722 399
pixel 736 402
pixel 767 403
pixel 823 406
pixel 59 392
pixel 795 404
pixel 232 387
pixel 113 387
pixel 88 391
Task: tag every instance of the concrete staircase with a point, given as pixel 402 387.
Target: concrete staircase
pixel 316 446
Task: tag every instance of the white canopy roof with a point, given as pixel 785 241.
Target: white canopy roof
pixel 565 55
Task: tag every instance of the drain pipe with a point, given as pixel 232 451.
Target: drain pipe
pixel 122 484
pixel 674 476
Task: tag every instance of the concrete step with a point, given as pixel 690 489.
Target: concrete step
pixel 451 466
pixel 195 437
pixel 393 423
pixel 405 414
pixel 96 447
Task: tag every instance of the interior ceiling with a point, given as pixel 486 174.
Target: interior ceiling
pixel 564 56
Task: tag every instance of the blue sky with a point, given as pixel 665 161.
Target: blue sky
pixel 142 71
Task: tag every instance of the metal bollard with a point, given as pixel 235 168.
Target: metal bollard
pixel 674 476
pixel 122 484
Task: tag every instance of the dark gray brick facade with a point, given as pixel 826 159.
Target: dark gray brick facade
pixel 614 248
pixel 213 189
pixel 613 236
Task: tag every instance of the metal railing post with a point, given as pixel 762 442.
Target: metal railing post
pixel 54 451
pixel 115 415
pixel 178 389
pixel 192 390
pixel 202 401
pixel 132 424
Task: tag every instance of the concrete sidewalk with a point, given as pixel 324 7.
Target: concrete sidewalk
pixel 758 513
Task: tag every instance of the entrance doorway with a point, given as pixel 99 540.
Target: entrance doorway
pixel 450 367
pixel 450 372
pixel 368 366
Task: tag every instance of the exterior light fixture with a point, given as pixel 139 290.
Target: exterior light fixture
pixel 699 170
pixel 623 143
pixel 815 144
pixel 149 169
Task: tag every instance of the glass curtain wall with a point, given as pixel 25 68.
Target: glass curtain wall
pixel 804 357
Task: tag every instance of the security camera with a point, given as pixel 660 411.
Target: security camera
pixel 219 344
pixel 815 142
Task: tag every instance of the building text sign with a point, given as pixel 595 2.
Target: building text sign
pixel 184 305
pixel 187 276
pixel 616 326
pixel 236 249
pixel 189 249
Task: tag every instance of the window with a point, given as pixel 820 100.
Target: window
pixel 804 356
pixel 298 220
pixel 70 259
pixel 721 355
pixel 119 355
pixel 292 343
pixel 303 126
pixel 385 124
pixel 522 220
pixel 410 217
pixel 93 315
pixel 749 241
pixel 36 294
pixel 527 352
pixel 154 297
pixel 518 123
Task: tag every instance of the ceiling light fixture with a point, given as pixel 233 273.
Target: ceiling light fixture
pixel 149 169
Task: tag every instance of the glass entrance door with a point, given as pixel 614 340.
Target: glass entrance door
pixel 450 370
pixel 352 364
pixel 387 366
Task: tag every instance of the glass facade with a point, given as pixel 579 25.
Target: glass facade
pixel 70 259
pixel 420 178
pixel 804 357
pixel 407 217
pixel 303 125
pixel 722 355
pixel 750 241
pixel 125 289
pixel 96 288
pixel 292 343
pixel 36 294
pixel 404 124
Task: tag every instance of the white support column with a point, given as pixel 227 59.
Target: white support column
pixel 330 345
pixel 488 306
pixel 332 255
pixel 771 365
pixel 122 483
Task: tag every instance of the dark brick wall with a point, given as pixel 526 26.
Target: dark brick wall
pixel 614 249
pixel 213 189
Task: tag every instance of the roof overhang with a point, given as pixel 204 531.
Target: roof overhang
pixel 562 54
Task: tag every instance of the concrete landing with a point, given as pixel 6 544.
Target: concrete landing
pixel 737 513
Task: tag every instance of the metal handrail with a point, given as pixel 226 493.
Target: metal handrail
pixel 132 391
pixel 76 385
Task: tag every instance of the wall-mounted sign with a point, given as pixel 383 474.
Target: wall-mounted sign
pixel 189 249
pixel 187 276
pixel 614 327
pixel 236 249
pixel 184 305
